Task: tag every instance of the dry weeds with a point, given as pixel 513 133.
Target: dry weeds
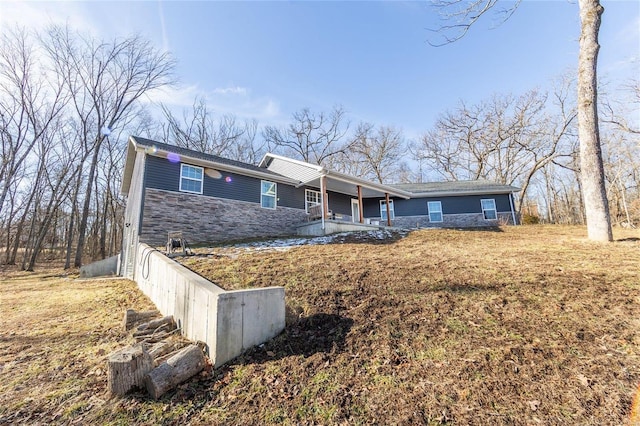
pixel 526 325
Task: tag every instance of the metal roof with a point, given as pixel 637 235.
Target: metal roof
pixel 299 173
pixel 189 153
pixel 295 169
pixel 159 149
pixel 310 174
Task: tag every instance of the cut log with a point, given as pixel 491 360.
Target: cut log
pixel 133 318
pixel 165 357
pixel 160 349
pixel 150 331
pixel 127 368
pixel 152 338
pixel 152 325
pixel 180 367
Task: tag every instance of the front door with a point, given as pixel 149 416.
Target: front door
pixel 355 210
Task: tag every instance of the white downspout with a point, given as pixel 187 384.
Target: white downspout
pixel 322 200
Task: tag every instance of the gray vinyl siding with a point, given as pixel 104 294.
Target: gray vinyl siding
pixel 450 205
pixel 163 174
pixel 159 173
pixel 372 206
pixel 290 196
pixel 339 203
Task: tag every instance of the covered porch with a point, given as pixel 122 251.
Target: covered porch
pixel 330 214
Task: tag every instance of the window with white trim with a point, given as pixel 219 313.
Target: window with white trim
pixel 268 195
pixel 489 211
pixel 435 211
pixel 311 198
pixel 383 210
pixel 191 178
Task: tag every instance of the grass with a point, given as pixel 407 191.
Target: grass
pixel 524 325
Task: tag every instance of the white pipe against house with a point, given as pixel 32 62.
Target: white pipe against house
pixel 322 199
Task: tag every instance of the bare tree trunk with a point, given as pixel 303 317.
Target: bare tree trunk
pixel 11 258
pixel 103 223
pixel 625 207
pixel 52 208
pixel 30 237
pixel 591 168
pixel 82 229
pixel 10 218
pixel 551 207
pixel 72 215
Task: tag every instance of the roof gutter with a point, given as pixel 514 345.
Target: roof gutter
pixel 367 184
pixel 228 168
pixel 460 193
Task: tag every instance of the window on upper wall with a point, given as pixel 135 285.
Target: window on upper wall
pixel 435 211
pixel 489 211
pixel 191 178
pixel 383 210
pixel 311 198
pixel 268 195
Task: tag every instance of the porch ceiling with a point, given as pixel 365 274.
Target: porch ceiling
pixel 310 175
pixel 350 188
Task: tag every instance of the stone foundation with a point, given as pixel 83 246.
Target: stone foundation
pixel 470 220
pixel 205 219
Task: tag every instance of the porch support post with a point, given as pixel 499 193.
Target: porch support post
pixel 386 197
pixel 360 206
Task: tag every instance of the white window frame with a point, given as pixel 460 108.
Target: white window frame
pixel 264 194
pixel 434 207
pixel 485 210
pixel 312 198
pixel 383 210
pixel 184 167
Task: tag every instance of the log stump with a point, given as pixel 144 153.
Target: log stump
pixel 127 368
pixel 175 370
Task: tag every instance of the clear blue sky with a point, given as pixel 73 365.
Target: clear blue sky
pixel 266 60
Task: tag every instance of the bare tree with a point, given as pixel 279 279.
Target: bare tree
pixel 105 80
pixel 615 112
pixel 31 107
pixel 621 153
pixel 247 148
pixel 460 16
pixel 200 131
pixel 374 153
pixel 311 137
pixel 29 103
pixel 465 14
pixel 505 139
pixel 61 95
pixel 60 158
pixel 591 166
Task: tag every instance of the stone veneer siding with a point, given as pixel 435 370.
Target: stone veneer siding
pixel 204 219
pixel 468 220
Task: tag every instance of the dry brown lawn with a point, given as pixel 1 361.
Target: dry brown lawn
pixel 518 325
